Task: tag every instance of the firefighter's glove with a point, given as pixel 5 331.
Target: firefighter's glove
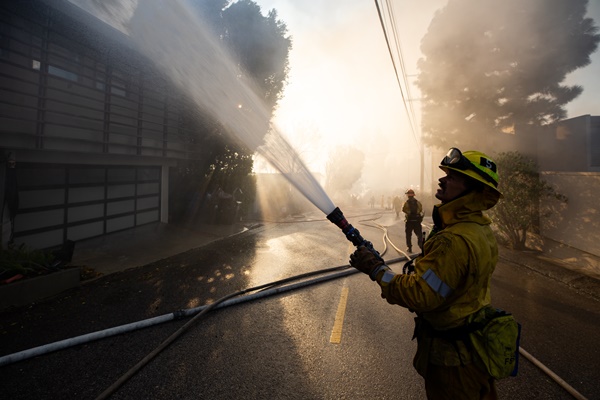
pixel 367 262
pixel 409 267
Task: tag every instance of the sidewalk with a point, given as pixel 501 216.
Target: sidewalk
pixel 146 244
pixel 571 267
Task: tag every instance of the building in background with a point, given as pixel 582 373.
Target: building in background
pixel 567 154
pixel 89 126
pixel 569 159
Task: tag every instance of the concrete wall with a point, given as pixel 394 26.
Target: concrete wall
pixel 571 145
pixel 576 224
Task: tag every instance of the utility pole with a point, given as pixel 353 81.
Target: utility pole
pixel 422 180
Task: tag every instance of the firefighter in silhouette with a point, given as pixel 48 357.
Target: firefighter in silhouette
pixel 413 211
pixel 448 284
pixel 397 205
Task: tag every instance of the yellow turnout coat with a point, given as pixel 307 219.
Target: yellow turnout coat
pixel 451 280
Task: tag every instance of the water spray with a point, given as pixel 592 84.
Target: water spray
pixel 201 68
pixel 352 234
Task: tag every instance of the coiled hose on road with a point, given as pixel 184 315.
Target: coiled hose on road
pixel 231 299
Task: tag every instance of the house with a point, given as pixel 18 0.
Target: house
pixel 569 160
pixel 88 129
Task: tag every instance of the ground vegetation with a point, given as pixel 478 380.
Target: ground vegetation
pixel 526 197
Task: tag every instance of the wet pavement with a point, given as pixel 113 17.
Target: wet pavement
pixel 171 278
pixel 153 242
pixel 102 256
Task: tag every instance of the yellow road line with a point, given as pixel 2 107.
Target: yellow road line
pixel 336 333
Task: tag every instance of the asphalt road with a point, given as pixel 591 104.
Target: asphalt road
pixel 277 346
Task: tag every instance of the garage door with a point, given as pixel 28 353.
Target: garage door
pixel 75 202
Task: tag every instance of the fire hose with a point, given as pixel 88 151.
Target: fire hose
pixel 337 217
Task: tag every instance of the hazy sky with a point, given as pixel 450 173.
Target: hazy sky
pixel 342 89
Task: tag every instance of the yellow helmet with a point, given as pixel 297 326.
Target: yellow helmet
pixel 474 164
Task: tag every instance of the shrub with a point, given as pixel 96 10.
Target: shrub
pixel 28 262
pixel 525 199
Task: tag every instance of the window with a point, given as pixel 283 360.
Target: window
pixel 118 84
pixel 99 83
pixel 52 70
pixel 61 63
pixel 3 46
pixel 99 75
pixel 4 40
pixel 63 73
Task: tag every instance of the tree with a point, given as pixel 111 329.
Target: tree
pixel 498 67
pixel 260 45
pixel 230 169
pixel 343 169
pixel 525 198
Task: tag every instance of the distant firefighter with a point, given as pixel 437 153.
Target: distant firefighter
pixel 397 206
pixel 413 211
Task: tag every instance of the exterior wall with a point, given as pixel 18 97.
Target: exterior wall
pixel 60 93
pixel 577 224
pixel 569 158
pixel 73 202
pixel 571 145
pixel 93 127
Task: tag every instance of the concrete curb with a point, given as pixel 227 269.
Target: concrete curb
pixel 553 269
pixel 29 290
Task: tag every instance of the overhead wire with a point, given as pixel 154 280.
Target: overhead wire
pixel 393 25
pixel 405 100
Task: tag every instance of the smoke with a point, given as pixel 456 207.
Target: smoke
pixel 342 81
pixel 180 45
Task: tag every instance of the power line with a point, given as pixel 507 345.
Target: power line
pixel 410 114
pixel 402 65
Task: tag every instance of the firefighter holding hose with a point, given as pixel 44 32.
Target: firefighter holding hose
pixel 449 282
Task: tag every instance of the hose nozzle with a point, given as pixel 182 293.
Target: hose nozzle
pixel 352 234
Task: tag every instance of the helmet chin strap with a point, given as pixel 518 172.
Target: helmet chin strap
pixel 474 186
pixel 469 189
